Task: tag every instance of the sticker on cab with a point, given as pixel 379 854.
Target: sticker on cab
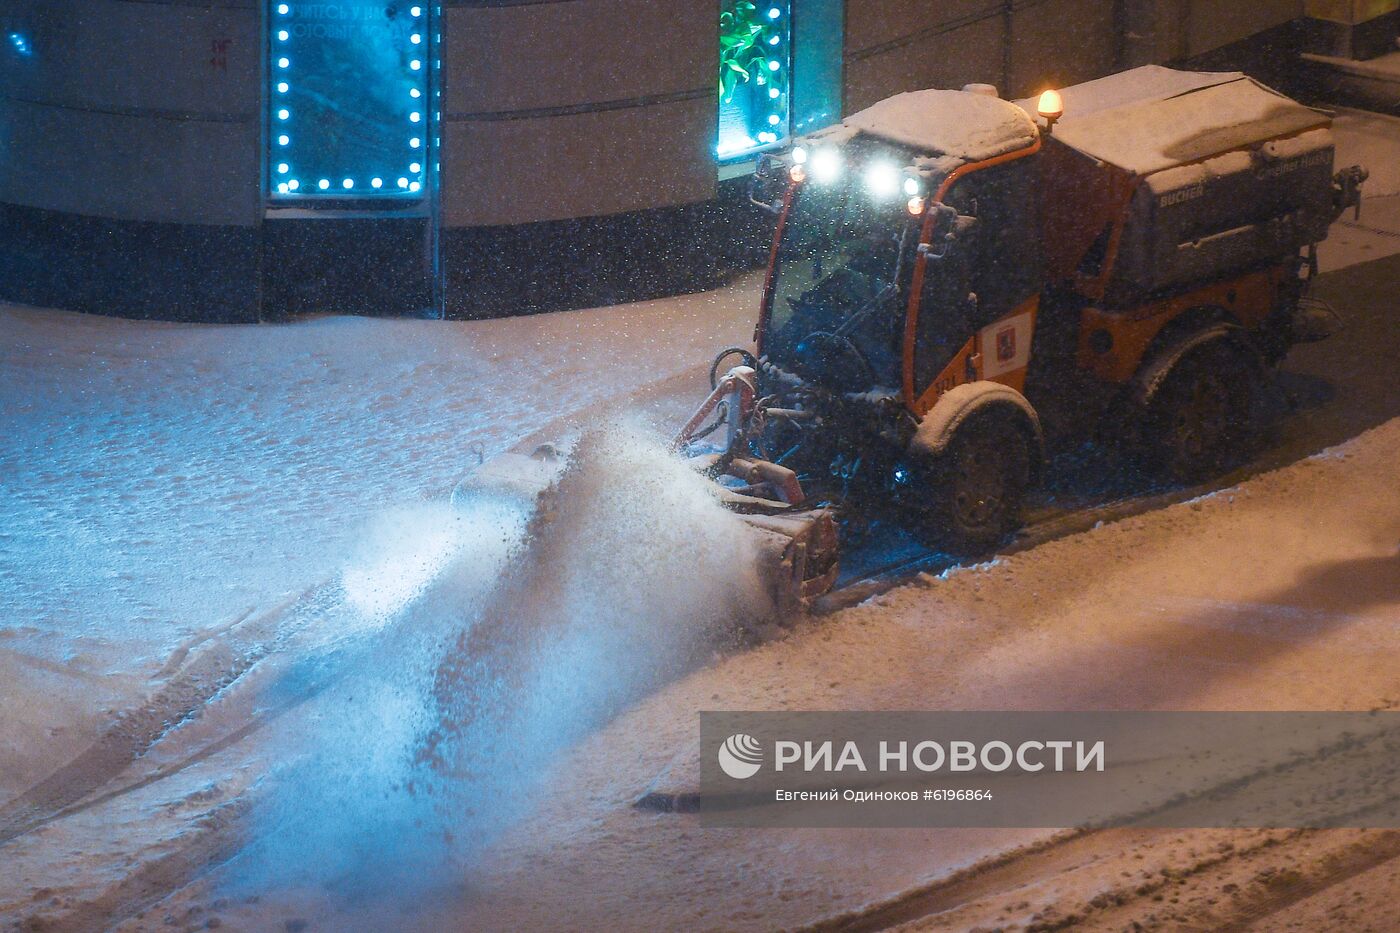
pixel 1009 343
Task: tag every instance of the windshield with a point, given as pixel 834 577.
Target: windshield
pixel 837 310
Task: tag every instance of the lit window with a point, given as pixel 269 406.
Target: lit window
pixel 754 75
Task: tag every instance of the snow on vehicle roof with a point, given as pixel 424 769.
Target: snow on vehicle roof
pixel 1150 82
pixel 970 127
pixel 1154 118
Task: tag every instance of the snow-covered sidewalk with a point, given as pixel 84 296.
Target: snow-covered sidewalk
pixel 1372 140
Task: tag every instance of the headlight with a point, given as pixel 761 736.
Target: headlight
pixel 826 165
pixel 882 179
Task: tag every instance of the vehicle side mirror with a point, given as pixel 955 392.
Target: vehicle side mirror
pixel 948 227
pixel 766 186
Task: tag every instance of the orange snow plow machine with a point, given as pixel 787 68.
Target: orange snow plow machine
pixel 958 283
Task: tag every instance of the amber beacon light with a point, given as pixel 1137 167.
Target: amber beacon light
pixel 1051 108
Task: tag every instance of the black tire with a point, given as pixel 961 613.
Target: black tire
pixel 980 482
pixel 1200 422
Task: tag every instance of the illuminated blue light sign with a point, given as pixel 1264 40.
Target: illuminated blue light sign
pixel 755 65
pixel 348 97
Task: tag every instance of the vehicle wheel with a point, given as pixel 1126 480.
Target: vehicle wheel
pixel 982 479
pixel 1199 423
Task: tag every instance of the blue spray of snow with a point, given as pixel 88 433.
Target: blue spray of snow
pixel 486 648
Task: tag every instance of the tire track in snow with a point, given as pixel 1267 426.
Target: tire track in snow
pixel 213 840
pixel 1354 860
pixel 182 697
pixel 259 720
pixel 178 656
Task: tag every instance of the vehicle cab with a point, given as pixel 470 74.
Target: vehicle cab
pixel 906 259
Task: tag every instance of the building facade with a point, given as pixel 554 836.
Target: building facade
pixel 169 157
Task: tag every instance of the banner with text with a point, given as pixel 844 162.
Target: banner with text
pixel 1050 769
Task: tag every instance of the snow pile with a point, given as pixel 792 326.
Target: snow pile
pixel 1198 173
pixel 1151 135
pixel 509 642
pixel 1295 146
pixel 1237 162
pixel 970 127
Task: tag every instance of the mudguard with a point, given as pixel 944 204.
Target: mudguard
pixel 955 406
pixel 1154 373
